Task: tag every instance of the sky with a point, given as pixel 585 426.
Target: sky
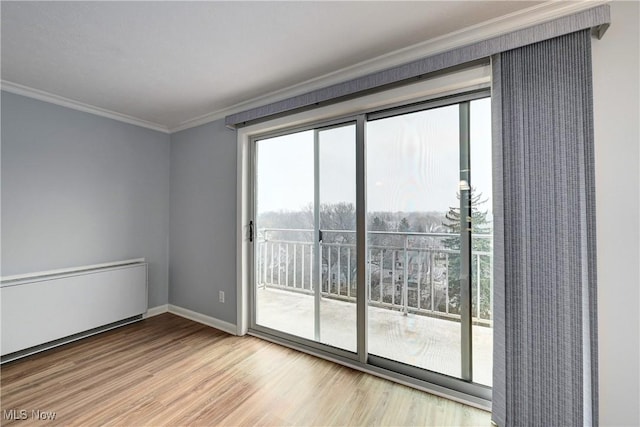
pixel 412 163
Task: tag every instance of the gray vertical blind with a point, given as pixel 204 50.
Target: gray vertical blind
pixel 545 337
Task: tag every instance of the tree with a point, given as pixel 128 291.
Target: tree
pixel 338 225
pixel 479 225
pixel 479 222
pixel 338 216
pixel 378 224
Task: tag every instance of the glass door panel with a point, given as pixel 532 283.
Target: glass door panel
pixel 337 221
pixel 413 239
pixel 284 244
pixel 481 241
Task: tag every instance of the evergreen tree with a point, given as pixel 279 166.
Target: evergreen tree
pixel 479 225
pixel 404 225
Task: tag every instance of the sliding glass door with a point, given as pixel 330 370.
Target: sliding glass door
pixel 429 238
pixel 305 253
pixel 414 239
pixel 415 181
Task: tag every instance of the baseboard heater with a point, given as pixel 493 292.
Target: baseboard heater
pixel 46 309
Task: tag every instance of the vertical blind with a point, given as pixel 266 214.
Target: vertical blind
pixel 545 335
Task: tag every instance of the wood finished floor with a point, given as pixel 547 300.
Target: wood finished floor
pixel 171 371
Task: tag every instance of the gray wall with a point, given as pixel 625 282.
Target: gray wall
pixel 203 220
pixel 80 189
pixel 617 135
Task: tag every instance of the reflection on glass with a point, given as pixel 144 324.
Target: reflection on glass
pixel 413 221
pixel 481 241
pixel 337 185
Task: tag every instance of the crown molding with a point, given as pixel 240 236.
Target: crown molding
pixel 485 30
pixel 41 95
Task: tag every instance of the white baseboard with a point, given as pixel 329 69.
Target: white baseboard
pixel 227 327
pixel 154 311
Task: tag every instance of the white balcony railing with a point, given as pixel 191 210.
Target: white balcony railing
pixel 406 271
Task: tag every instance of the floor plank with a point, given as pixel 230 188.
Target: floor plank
pixel 170 371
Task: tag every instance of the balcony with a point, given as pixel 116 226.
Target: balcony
pixel 413 307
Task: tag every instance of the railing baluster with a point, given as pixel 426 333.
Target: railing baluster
pixel 446 268
pixel 405 282
pixel 302 266
pixel 432 263
pixel 286 265
pixel 381 286
pixel 394 255
pixel 349 271
pixel 339 270
pixel 258 263
pixel 478 286
pixel 419 252
pixel 265 250
pixel 328 269
pixel 295 259
pixel 271 282
pixel 279 262
pixel 370 262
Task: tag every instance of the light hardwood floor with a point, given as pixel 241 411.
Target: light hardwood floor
pixel 167 370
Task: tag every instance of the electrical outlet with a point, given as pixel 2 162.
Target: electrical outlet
pixel 221 296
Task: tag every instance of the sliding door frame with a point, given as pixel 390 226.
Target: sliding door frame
pixel 316 274
pixel 441 384
pixel 466 369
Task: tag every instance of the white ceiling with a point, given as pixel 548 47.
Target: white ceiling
pixel 171 62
